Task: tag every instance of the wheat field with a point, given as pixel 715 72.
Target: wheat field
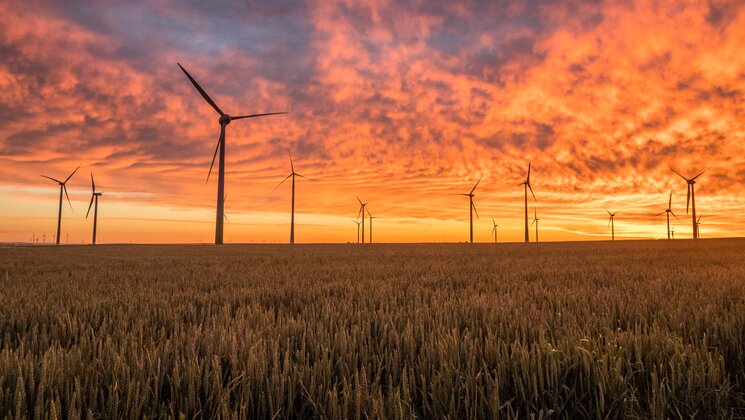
pixel 649 329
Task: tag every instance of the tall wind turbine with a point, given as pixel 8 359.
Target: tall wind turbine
pixel 691 200
pixel 224 120
pixel 358 230
pixel 526 183
pixel 494 230
pixel 94 198
pixel 535 221
pixel 612 224
pixel 62 187
pixel 472 207
pixel 362 213
pixel 669 211
pixel 292 175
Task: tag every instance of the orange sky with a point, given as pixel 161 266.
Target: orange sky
pixel 401 103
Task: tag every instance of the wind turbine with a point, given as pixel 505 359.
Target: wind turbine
pixel 526 183
pixel 691 200
pixel 94 198
pixel 370 216
pixel 698 222
pixel 535 221
pixel 494 230
pixel 224 120
pixel 612 224
pixel 471 207
pixel 669 211
pixel 62 187
pixel 362 212
pixel 292 175
pixel 358 230
pixel 673 231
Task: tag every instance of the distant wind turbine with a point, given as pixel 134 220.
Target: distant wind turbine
pixel 471 207
pixel 94 198
pixel 691 200
pixel 668 212
pixel 698 222
pixel 292 175
pixel 358 230
pixel 526 183
pixel 370 216
pixel 535 222
pixel 62 188
pixel 362 213
pixel 612 224
pixel 494 230
pixel 224 120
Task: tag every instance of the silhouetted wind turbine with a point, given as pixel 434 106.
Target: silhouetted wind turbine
pixel 698 222
pixel 691 200
pixel 669 211
pixel 94 198
pixel 292 175
pixel 535 221
pixel 362 212
pixel 494 230
pixel 612 224
pixel 526 183
pixel 224 120
pixel 370 216
pixel 62 187
pixel 358 230
pixel 471 207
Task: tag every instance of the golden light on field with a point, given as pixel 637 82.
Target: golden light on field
pixel 400 103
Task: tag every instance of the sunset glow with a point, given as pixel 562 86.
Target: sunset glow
pixel 400 103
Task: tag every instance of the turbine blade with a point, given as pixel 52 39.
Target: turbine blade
pixel 608 212
pixel 676 217
pixel 670 201
pixel 217 147
pixel 283 181
pixel 700 173
pixel 679 174
pixel 73 173
pixel 89 206
pixel 477 184
pixel 55 180
pixel 64 188
pixel 226 217
pixel 292 166
pixel 360 212
pixel 202 92
pixel 474 209
pixel 358 199
pixel 661 213
pixel 531 191
pixel 688 200
pixel 93 184
pixel 309 179
pixel 257 115
pixel 368 212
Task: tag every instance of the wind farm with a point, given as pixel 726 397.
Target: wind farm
pixel 164 300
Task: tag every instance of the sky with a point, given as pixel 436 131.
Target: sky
pixel 402 103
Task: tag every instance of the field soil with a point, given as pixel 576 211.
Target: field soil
pixel 647 329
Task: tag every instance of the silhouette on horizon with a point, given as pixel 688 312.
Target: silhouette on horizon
pixel 292 175
pixel 62 188
pixel 94 198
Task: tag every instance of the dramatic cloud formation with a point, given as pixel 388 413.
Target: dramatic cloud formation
pixel 401 103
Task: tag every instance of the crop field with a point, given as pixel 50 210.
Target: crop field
pixel 647 329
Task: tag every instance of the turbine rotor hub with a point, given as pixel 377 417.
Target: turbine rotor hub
pixel 225 119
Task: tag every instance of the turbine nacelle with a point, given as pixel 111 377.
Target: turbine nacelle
pixel 225 119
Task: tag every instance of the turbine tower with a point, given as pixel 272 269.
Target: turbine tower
pixel 370 216
pixel 94 198
pixel 669 211
pixel 472 208
pixel 62 188
pixel 362 212
pixel 494 230
pixel 612 224
pixel 292 175
pixel 535 221
pixel 224 120
pixel 691 200
pixel 526 183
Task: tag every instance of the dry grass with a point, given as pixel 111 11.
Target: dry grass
pixel 625 329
